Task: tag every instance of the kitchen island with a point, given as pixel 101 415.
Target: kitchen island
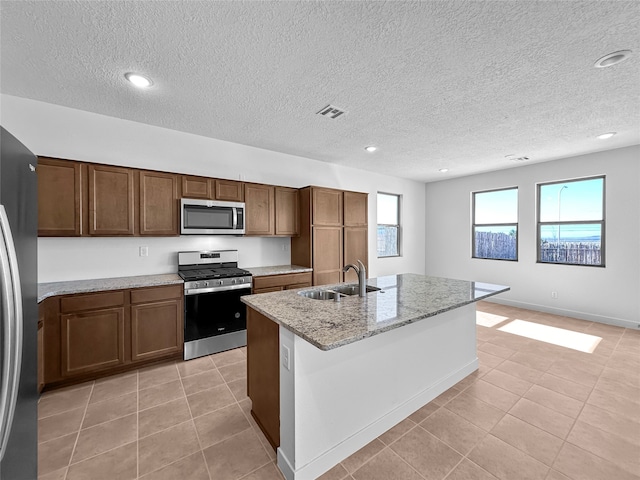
pixel 325 378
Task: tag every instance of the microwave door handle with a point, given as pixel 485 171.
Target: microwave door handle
pixel 11 329
pixel 235 218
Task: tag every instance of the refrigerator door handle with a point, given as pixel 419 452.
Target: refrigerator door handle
pixel 11 330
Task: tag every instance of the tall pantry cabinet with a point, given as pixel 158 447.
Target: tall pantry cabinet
pixel 333 233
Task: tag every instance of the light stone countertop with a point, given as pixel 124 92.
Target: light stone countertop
pixel 277 270
pixel 46 290
pixel 404 299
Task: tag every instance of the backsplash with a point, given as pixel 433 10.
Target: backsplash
pixel 62 259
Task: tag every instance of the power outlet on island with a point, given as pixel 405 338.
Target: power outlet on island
pixel 286 360
pixel 554 295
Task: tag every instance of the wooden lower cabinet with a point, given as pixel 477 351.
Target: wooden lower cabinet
pixel 286 281
pixel 87 336
pixel 263 374
pixel 156 323
pixel 92 340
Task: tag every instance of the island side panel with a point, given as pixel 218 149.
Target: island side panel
pixel 346 397
pixel 263 374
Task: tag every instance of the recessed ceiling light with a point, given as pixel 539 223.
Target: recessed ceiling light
pixel 612 59
pixel 443 170
pixel 370 148
pixel 605 136
pixel 138 80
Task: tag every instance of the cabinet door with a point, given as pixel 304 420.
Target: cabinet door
pixel 59 198
pixel 229 190
pixel 259 209
pixel 287 216
pixel 356 243
pixel 156 329
pixel 92 341
pixel 327 207
pixel 111 200
pixel 158 203
pixel 327 255
pixel 196 187
pixel 355 209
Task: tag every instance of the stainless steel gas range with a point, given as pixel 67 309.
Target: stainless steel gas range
pixel 215 319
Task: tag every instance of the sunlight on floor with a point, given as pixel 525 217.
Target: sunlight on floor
pixel 557 336
pixel 489 319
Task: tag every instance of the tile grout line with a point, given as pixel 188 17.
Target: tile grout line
pixel 75 444
pixel 204 459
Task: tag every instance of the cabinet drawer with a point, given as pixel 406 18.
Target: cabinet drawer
pixel 91 301
pixel 155 294
pixel 281 280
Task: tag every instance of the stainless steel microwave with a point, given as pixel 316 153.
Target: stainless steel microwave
pixel 211 217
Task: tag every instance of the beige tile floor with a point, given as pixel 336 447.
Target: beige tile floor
pixel 532 411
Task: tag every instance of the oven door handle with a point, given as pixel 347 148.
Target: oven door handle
pixel 226 288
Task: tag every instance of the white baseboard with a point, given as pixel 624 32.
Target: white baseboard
pixel 618 322
pixel 333 456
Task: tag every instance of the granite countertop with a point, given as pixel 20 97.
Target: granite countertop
pixel 404 299
pixel 46 290
pixel 277 270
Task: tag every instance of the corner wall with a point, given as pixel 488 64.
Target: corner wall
pixel 55 131
pixel 609 295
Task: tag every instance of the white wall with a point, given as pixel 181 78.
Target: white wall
pixel 52 130
pixel 610 295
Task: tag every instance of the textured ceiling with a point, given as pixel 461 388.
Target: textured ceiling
pixel 456 84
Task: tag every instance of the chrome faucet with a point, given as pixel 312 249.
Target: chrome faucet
pixel 361 271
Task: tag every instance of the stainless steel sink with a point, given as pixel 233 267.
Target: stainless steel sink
pixel 353 289
pixel 330 294
pixel 318 294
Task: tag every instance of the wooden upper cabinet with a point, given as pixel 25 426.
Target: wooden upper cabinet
pixel 229 190
pixel 158 204
pixel 355 209
pixel 111 200
pixel 196 187
pixel 259 209
pixel 327 207
pixel 59 198
pixel 287 211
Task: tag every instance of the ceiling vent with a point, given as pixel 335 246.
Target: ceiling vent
pixel 331 111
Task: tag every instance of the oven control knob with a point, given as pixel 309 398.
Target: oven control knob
pixel 233 282
pixel 206 284
pixel 241 280
pixel 220 282
pixel 196 284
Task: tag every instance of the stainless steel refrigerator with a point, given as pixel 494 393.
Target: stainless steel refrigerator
pixel 18 303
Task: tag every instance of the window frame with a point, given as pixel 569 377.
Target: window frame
pixel 474 224
pixel 397 226
pixel 602 222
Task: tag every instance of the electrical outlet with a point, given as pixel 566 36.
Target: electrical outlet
pixel 144 251
pixel 554 294
pixel 286 361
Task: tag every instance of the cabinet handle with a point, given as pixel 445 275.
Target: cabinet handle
pixel 11 330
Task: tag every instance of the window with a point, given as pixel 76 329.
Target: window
pixel 388 225
pixel 495 224
pixel 571 222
